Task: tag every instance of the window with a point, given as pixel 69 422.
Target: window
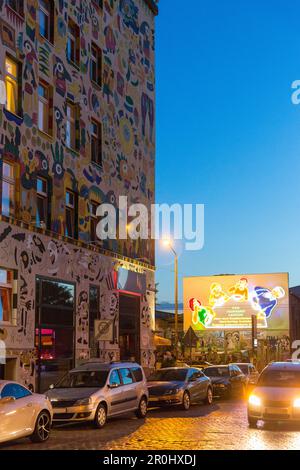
pixel 13 85
pixel 8 189
pixel 45 108
pixel 17 6
pixel 71 219
pixel 96 142
pixel 42 203
pixel 137 374
pixel 6 288
pixel 15 390
pixel 96 65
pixel 73 43
pixel 46 19
pixel 72 126
pixel 126 376
pixel 114 378
pixel 93 220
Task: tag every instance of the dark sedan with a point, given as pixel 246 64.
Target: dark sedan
pixel 181 386
pixel 227 380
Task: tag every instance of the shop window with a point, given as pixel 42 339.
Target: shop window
pixel 45 108
pixel 6 292
pixel 42 203
pixel 96 142
pixel 96 65
pixel 13 74
pixel 71 214
pixel 17 6
pixel 72 126
pixel 46 19
pixel 8 189
pixel 73 43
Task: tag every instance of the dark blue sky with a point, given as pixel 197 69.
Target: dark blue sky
pixel 228 135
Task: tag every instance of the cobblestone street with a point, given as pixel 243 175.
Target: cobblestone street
pixel 222 426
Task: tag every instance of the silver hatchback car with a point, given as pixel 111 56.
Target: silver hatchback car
pixel 95 391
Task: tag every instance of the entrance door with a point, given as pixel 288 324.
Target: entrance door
pixel 2 372
pixel 129 327
pixel 54 330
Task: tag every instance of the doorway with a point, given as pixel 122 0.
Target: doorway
pixel 54 330
pixel 2 372
pixel 129 327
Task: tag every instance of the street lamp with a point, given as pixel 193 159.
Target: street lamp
pixel 168 244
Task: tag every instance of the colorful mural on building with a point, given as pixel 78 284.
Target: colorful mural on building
pixel 124 105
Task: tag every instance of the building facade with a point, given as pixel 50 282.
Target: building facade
pixel 76 130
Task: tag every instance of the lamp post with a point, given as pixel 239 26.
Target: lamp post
pixel 167 243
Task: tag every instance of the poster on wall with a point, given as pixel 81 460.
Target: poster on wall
pixel 228 302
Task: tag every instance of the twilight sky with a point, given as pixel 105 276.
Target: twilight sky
pixel 228 135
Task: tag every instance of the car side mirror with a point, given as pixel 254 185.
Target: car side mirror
pixel 6 400
pixel 114 385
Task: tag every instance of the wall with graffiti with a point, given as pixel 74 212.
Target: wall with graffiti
pixel 124 30
pixel 32 254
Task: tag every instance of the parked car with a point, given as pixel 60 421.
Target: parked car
pixel 227 380
pixel 181 386
pixel 250 371
pixel 23 413
pixel 277 394
pixel 95 391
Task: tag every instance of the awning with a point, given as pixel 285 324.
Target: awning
pixel 160 341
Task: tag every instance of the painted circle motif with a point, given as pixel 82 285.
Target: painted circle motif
pixel 126 136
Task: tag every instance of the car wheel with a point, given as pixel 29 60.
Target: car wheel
pixel 252 422
pixel 186 401
pixel 100 416
pixel 209 396
pixel 142 409
pixel 42 428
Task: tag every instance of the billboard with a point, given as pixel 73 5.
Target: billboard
pixel 228 302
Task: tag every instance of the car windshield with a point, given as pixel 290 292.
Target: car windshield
pixel 217 372
pixel 244 368
pixel 168 375
pixel 280 378
pixel 83 379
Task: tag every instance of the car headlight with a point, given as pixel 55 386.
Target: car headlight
pixel 254 401
pixel 220 385
pixel 84 401
pixel 297 403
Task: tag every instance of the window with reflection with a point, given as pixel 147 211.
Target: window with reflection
pixel 8 189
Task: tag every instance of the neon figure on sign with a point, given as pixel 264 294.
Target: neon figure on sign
pixel 265 300
pixel 217 297
pixel 239 292
pixel 201 314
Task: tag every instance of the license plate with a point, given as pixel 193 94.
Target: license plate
pixel 277 411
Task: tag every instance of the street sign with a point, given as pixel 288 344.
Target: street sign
pixel 104 330
pixel 190 338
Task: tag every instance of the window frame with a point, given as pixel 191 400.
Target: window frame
pixel 97 138
pixel 16 81
pixel 10 181
pixel 73 37
pixel 72 124
pixel 45 196
pixel 20 9
pixel 47 104
pixel 8 286
pixel 96 64
pixel 72 208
